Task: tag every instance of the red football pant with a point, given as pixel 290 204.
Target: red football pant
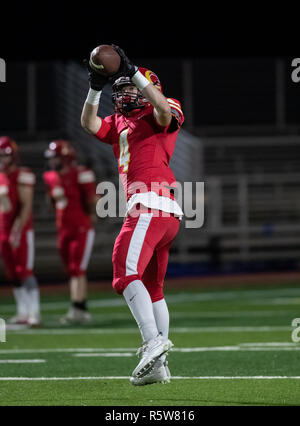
pixel 75 247
pixel 141 252
pixel 18 261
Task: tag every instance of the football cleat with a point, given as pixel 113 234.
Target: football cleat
pixel 160 373
pixel 167 371
pixel 18 319
pixel 150 353
pixel 34 321
pixel 76 316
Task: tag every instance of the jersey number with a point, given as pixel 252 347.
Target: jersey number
pixel 124 158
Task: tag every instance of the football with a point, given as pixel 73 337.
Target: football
pixel 105 60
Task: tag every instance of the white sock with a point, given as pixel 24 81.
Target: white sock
pixel 20 294
pixel 161 315
pixel 30 284
pixel 140 305
pixel 162 318
pixel 33 296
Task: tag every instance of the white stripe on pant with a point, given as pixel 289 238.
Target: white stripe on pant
pixel 30 249
pixel 136 243
pixel 87 250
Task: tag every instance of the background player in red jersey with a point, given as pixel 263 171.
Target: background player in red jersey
pixel 16 232
pixel 72 190
pixel 142 133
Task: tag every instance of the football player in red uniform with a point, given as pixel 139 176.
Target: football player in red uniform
pixel 16 232
pixel 72 190
pixel 142 133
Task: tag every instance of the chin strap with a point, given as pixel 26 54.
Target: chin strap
pixel 132 107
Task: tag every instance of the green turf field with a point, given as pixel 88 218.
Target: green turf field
pixel 232 347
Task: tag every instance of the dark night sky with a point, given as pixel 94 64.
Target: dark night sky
pixel 69 30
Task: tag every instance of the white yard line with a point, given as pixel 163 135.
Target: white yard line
pixel 236 349
pixel 245 347
pixel 229 329
pixel 232 314
pixel 108 354
pixel 53 318
pixel 64 350
pixel 237 377
pixel 86 331
pixel 201 296
pixel 127 378
pixel 22 361
pixel 282 301
pixel 271 344
pixel 202 349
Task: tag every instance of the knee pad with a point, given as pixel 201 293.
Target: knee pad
pixel 119 284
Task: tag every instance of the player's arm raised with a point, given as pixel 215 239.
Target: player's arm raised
pixel 89 118
pixel 162 110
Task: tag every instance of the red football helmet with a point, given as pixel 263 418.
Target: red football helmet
pixel 61 149
pixel 8 148
pixel 126 102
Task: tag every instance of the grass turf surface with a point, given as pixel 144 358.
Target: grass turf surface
pixel 232 347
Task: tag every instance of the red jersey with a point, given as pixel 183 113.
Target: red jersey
pixel 142 147
pixel 70 193
pixel 9 197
